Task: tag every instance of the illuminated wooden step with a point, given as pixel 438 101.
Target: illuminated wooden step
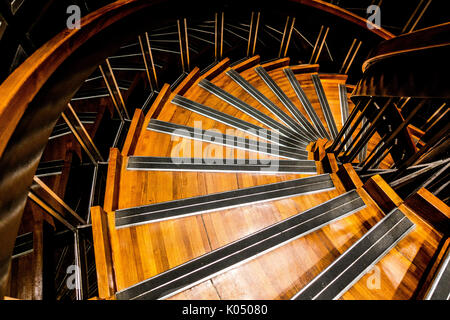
pixel 214 137
pixel 249 110
pixel 222 165
pixel 301 95
pixel 239 124
pixel 325 106
pixel 309 130
pixel 266 102
pixel 243 250
pixel 219 201
pixel 346 270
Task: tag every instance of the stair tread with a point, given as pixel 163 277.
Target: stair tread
pixel 352 264
pixel 219 201
pixel 221 259
pixel 226 140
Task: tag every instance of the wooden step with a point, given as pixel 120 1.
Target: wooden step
pixel 249 110
pixel 215 137
pixel 222 165
pixel 309 130
pixel 334 281
pixel 239 124
pixel 220 260
pixel 198 205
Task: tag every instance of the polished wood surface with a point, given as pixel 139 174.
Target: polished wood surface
pixel 140 252
pixel 382 193
pixel 102 248
pixel 133 133
pixel 431 209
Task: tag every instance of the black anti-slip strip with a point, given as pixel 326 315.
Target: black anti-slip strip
pixel 239 124
pixel 306 103
pixel 353 263
pixel 251 111
pixel 266 102
pixel 308 129
pixel 221 165
pixel 210 136
pixel 220 260
pixel 325 106
pixel 223 200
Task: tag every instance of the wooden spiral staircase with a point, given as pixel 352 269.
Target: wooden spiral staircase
pixel 224 190
pixel 138 163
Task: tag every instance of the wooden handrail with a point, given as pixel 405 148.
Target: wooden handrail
pixel 347 15
pixel 20 88
pixel 428 38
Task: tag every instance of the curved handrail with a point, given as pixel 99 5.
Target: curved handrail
pixel 427 38
pixel 19 89
pixel 347 15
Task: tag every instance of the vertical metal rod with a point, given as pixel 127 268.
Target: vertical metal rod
pixel 187 45
pixel 284 36
pixel 420 16
pixel 412 16
pixel 181 46
pixel 348 55
pixel 151 60
pixel 250 34
pixel 111 94
pixel 56 198
pixel 221 34
pixel 289 38
pixel 216 37
pixel 79 139
pixel 433 177
pixel 345 127
pixel 364 125
pixel 255 39
pixel 353 57
pixel 316 44
pixel 397 131
pixel 77 253
pixel 321 45
pixel 380 159
pixel 349 156
pixel 404 103
pixel 50 211
pixel 117 89
pixel 145 62
pixel 430 122
pixel 349 131
pixel 86 134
